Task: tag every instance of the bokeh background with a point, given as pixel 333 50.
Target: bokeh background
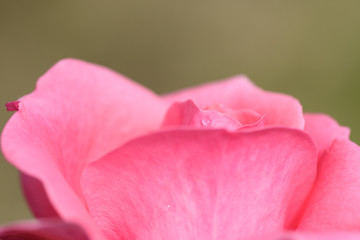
pixel 309 49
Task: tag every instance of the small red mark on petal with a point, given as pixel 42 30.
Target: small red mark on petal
pixel 12 106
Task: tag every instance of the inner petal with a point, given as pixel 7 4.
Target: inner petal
pixel 249 118
pixel 188 114
pixel 214 116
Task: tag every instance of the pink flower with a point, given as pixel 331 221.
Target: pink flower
pixel 225 160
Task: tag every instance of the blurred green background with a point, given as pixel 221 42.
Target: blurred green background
pixel 308 49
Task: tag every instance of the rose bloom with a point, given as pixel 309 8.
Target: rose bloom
pixel 102 157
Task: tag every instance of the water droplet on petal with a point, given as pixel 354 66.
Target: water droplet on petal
pixel 166 208
pixel 206 122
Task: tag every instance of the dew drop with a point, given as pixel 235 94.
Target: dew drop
pixel 206 121
pixel 167 208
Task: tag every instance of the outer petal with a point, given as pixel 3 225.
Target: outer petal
pixel 78 112
pixel 239 93
pixel 37 197
pixel 335 200
pixel 42 230
pixel 323 130
pixel 204 184
pixel 314 236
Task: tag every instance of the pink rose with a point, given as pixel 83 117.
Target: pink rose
pixel 225 160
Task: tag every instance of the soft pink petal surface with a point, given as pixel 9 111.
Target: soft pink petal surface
pixel 42 230
pixel 204 184
pixel 78 112
pixel 323 130
pixel 249 118
pixel 313 236
pixel 239 93
pixel 335 200
pixel 188 114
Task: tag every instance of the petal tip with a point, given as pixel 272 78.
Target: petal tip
pixel 13 106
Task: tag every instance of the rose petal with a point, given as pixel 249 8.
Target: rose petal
pixel 37 198
pixel 249 118
pixel 314 236
pixel 42 230
pixel 188 114
pixel 323 130
pixel 78 112
pixel 239 93
pixel 204 184
pixel 335 200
